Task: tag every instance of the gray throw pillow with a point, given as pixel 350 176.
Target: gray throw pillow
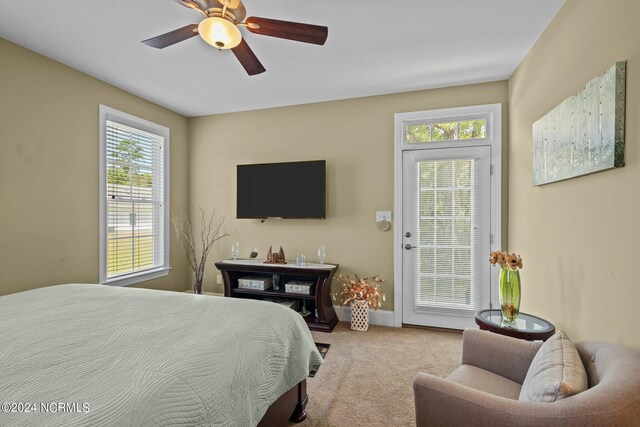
pixel 556 372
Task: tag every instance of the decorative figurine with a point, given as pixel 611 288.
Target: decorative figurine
pixel 275 258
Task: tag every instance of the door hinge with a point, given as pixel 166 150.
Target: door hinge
pixel 491 238
pixel 490 169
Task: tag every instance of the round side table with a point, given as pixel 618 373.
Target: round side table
pixel 527 327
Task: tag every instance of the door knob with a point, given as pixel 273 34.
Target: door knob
pixel 409 247
pixel 407 234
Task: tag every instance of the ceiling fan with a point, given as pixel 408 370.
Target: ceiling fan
pixel 220 30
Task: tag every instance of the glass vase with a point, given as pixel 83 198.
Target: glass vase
pixel 197 285
pixel 322 254
pixel 509 294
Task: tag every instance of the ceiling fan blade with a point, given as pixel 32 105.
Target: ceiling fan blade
pixel 296 31
pixel 248 59
pixel 173 37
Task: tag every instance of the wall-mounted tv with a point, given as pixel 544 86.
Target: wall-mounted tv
pixel 281 190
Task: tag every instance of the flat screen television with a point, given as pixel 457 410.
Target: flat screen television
pixel 281 190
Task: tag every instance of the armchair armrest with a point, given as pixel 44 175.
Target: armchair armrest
pixel 505 356
pixel 440 402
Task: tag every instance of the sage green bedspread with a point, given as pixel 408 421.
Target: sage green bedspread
pixel 138 357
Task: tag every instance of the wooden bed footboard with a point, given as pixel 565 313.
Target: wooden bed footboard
pixel 289 407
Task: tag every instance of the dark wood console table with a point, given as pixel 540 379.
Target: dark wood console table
pixel 319 302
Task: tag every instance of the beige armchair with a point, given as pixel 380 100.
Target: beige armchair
pixel 484 390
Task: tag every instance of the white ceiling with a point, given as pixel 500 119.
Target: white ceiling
pixel 374 47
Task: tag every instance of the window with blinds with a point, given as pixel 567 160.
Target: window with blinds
pixel 446 261
pixel 135 206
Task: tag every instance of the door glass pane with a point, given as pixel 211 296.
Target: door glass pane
pixel 446 233
pixel 428 203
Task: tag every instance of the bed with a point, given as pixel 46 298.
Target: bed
pixel 93 355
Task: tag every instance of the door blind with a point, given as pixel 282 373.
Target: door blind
pixel 447 259
pixel 135 200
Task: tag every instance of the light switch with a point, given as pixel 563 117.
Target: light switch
pixel 383 216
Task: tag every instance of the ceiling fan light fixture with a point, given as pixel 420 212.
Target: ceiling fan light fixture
pixel 219 32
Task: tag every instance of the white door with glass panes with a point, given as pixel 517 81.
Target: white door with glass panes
pixel 446 210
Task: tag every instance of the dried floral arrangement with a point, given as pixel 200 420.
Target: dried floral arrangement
pixel 506 260
pixel 362 289
pixel 198 243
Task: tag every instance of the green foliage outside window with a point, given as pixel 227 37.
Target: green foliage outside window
pixel 126 166
pixel 447 131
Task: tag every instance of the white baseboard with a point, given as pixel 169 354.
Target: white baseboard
pixel 377 317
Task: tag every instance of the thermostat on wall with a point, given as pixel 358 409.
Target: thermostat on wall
pixel 383 216
pixel 383 220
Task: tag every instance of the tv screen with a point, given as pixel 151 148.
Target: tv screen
pixel 281 190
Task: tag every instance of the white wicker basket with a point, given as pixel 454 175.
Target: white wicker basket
pixel 359 315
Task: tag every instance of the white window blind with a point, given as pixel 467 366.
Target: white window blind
pixel 135 211
pixel 447 266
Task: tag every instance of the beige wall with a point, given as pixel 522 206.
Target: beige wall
pixel 49 171
pixel 579 238
pixel 354 136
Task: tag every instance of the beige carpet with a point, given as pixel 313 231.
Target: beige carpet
pixel 366 378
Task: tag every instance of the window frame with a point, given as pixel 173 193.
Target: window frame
pixel 110 114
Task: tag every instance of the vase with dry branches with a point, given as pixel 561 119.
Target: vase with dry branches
pixel 198 244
